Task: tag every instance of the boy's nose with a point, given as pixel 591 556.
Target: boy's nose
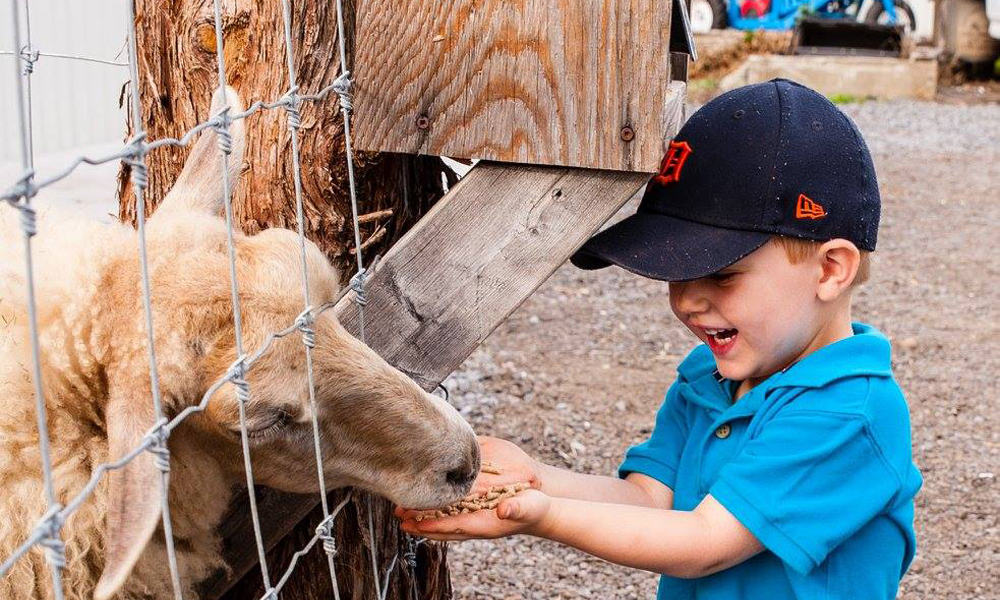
pixel 688 298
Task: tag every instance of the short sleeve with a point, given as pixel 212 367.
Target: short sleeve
pixel 659 456
pixel 806 483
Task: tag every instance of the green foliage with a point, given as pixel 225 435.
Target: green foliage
pixel 703 83
pixel 847 98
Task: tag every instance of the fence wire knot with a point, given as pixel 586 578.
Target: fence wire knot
pixel 237 376
pixel 161 454
pixel 220 125
pixel 343 86
pixel 24 188
pixel 325 533
pixel 271 594
pixel 358 285
pixel 410 556
pixel 291 103
pixel 136 160
pixel 49 527
pixel 29 221
pixel 29 57
pixel 304 323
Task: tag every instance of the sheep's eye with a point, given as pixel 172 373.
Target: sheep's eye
pixel 276 421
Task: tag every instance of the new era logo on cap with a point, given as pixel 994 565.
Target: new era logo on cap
pixel 807 208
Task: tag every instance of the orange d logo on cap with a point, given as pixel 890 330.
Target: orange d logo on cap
pixel 673 162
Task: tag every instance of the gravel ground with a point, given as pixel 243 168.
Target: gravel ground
pixel 576 374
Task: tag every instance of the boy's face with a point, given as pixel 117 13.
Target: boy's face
pixel 758 315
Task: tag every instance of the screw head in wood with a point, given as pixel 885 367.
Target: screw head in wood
pixel 423 122
pixel 627 134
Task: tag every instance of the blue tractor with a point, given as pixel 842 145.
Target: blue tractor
pixel 784 14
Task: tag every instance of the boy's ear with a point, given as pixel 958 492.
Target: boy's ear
pixel 839 261
pixel 199 186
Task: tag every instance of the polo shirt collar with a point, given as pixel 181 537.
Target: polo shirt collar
pixel 866 353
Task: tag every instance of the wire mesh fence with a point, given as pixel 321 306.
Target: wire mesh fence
pixel 48 529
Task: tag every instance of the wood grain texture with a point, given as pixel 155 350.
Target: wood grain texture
pixel 177 75
pixel 437 294
pixel 476 256
pixel 528 81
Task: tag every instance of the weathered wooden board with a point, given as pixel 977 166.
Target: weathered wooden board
pixel 447 283
pixel 477 256
pixel 575 83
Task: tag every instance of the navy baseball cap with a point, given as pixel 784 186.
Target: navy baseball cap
pixel 767 159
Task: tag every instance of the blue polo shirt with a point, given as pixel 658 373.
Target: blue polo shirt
pixel 815 461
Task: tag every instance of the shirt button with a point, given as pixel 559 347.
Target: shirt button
pixel 723 431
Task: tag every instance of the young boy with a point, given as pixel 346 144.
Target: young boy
pixel 780 463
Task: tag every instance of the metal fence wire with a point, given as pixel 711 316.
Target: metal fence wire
pixel 47 531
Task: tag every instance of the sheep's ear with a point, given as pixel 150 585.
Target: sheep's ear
pixel 133 492
pixel 199 186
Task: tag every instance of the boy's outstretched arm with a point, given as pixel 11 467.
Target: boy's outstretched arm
pixel 676 543
pixel 517 467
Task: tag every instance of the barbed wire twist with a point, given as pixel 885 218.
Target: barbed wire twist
pixel 304 323
pixel 358 282
pixel 343 86
pixel 28 218
pixel 29 57
pixel 291 101
pixel 158 436
pixel 324 531
pixel 220 125
pixel 136 160
pixel 49 526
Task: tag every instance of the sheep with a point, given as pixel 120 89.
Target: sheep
pixel 379 430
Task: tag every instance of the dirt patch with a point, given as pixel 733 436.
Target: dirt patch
pixel 971 92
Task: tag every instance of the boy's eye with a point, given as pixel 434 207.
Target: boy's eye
pixel 722 277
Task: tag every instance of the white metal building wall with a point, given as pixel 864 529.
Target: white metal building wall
pixel 74 103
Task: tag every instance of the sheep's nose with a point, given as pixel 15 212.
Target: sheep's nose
pixel 461 477
pixel 465 473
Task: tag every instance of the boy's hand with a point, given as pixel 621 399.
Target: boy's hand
pixel 524 513
pixel 514 464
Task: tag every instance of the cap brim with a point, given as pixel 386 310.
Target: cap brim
pixel 667 248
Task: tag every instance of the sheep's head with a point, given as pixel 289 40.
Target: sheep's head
pixel 378 430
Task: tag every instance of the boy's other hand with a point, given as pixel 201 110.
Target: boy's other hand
pixel 523 513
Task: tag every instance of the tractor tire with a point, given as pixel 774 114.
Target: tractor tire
pixel 904 15
pixel 707 14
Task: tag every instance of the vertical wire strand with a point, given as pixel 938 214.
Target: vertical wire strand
pixel 55 558
pixel 234 289
pixel 293 125
pixel 139 182
pixel 28 70
pixel 349 151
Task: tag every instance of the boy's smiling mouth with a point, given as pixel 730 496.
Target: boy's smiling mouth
pixel 721 341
